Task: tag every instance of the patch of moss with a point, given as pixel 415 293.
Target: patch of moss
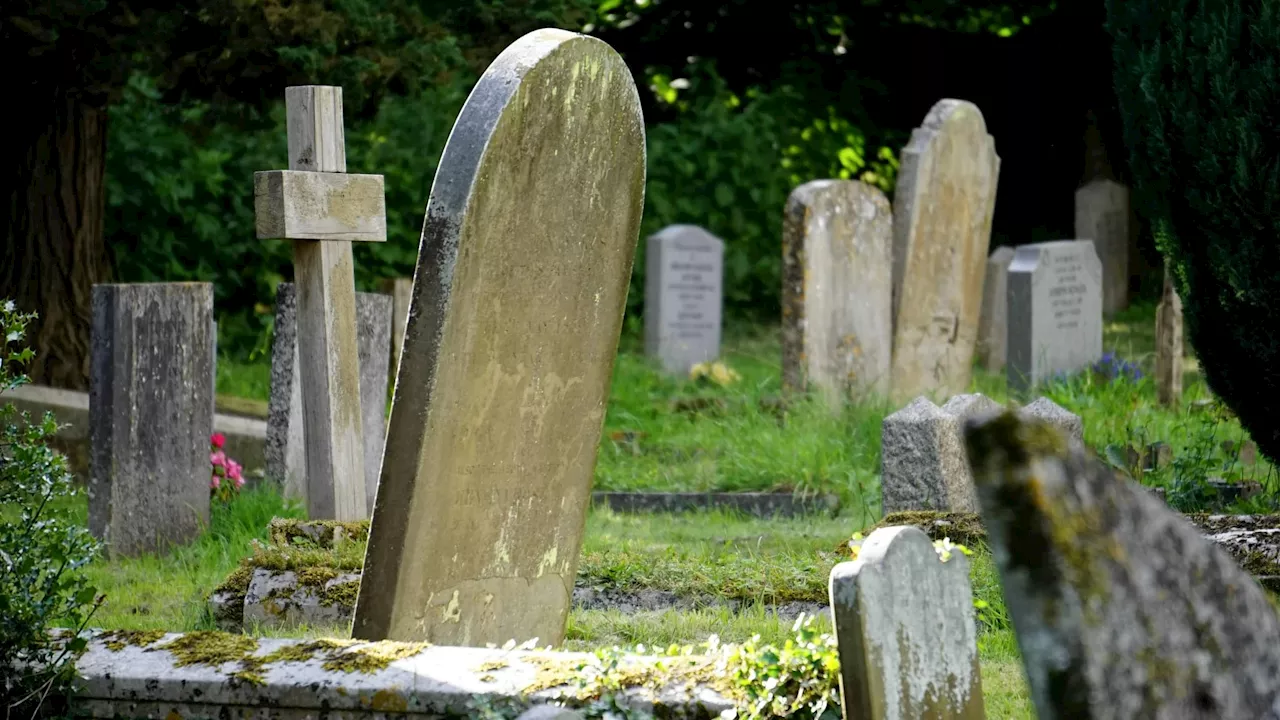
pixel 209 647
pixel 1259 565
pixel 117 640
pixel 237 583
pixel 491 665
pixel 963 528
pixel 371 657
pixel 323 534
pixel 343 594
pixel 315 576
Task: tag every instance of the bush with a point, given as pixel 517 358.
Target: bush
pixel 1199 90
pixel 42 546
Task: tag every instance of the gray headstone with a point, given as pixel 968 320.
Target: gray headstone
pixel 683 296
pixel 1121 607
pixel 401 292
pixel 150 414
pixel 837 239
pixel 286 449
pixel 905 631
pixel 1169 348
pixel 1055 311
pixel 519 294
pixel 923 465
pixel 993 326
pixel 1102 215
pixel 550 712
pixel 1046 410
pixel 942 210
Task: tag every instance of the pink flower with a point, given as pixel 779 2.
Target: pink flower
pixel 239 482
pixel 218 458
pixel 215 483
pixel 233 469
pixel 218 440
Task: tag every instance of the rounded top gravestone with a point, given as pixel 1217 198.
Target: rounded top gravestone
pixel 509 346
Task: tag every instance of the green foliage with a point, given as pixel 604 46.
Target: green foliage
pixel 43 549
pixel 1199 89
pixel 797 680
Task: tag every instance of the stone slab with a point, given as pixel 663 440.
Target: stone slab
pixel 150 414
pixel 1055 311
pixel 922 456
pixel 401 292
pixel 276 599
pixel 684 277
pixel 753 504
pixel 943 206
pixel 1102 215
pixel 993 324
pixel 837 271
pixel 307 205
pixel 905 630
pixel 519 294
pixel 1121 607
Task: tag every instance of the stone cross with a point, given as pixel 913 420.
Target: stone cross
pixel 1122 608
pixel 993 326
pixel 1169 344
pixel 683 296
pixel 1054 312
pixel 1102 215
pixel 500 396
pixel 942 210
pixel 150 414
pixel 322 209
pixel 837 238
pixel 905 631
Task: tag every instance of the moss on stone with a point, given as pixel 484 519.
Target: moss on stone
pixel 117 640
pixel 491 666
pixel 343 594
pixel 324 534
pixel 963 528
pixel 371 657
pixel 236 586
pixel 209 647
pixel 315 576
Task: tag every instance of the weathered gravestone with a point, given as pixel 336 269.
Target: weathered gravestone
pixel 1055 311
pixel 945 197
pixel 1169 344
pixel 518 300
pixel 683 296
pixel 1122 608
pixel 322 209
pixel 150 414
pixel 905 631
pixel 923 464
pixel 837 238
pixel 401 292
pixel 993 325
pixel 286 451
pixel 1102 215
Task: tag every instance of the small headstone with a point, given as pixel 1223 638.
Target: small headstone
pixel 401 292
pixel 285 449
pixel 993 326
pixel 1169 344
pixel 1055 311
pixel 1121 607
pixel 1102 215
pixel 519 294
pixel 905 631
pixel 943 205
pixel 150 414
pixel 1046 410
pixel 923 463
pixel 683 296
pixel 836 290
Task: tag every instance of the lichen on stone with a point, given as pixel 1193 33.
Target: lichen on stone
pixel 961 527
pixel 117 640
pixel 371 657
pixel 324 534
pixel 208 647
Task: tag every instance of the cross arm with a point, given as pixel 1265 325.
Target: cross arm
pixel 305 205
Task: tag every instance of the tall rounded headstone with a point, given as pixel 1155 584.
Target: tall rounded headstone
pixel 945 198
pixel 1102 215
pixel 837 238
pixel 517 306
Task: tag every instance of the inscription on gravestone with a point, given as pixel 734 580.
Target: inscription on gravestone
pixel 1054 311
pixel 683 275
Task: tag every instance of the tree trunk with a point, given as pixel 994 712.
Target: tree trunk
pixel 52 249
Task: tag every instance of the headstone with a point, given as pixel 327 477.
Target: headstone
pixel 837 260
pixel 945 198
pixel 1065 421
pixel 1121 607
pixel 1055 311
pixel 1102 215
pixel 150 414
pixel 1169 344
pixel 286 448
pixel 684 273
pixel 401 292
pixel 993 326
pixel 322 209
pixel 905 631
pixel 500 397
pixel 923 465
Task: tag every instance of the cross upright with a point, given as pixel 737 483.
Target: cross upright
pixel 322 209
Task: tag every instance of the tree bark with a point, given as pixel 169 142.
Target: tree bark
pixel 52 248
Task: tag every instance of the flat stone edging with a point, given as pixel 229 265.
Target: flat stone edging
pixel 755 504
pixel 144 681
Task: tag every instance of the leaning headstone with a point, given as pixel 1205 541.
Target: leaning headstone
pixel 519 295
pixel 683 296
pixel 945 198
pixel 905 630
pixel 837 238
pixel 1121 607
pixel 923 465
pixel 1055 311
pixel 150 414
pixel 1169 344
pixel 993 326
pixel 1102 215
pixel 286 449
